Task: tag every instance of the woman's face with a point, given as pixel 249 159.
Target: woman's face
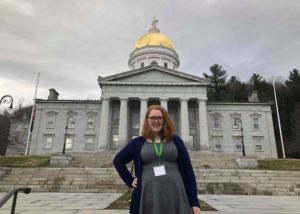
pixel 155 121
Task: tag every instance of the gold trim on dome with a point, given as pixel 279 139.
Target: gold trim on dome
pixel 154 39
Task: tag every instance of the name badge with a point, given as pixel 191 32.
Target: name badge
pixel 159 170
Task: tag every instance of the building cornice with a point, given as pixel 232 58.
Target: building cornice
pixel 239 103
pixel 153 83
pixel 111 78
pixel 69 101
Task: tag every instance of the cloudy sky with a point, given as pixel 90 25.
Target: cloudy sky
pixel 71 42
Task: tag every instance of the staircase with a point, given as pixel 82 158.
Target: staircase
pixel 215 174
pixel 212 181
pixel 248 182
pixel 63 180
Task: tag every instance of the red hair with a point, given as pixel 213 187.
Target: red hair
pixel 168 129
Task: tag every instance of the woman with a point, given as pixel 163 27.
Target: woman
pixel 165 181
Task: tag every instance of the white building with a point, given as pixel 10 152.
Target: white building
pixel 153 78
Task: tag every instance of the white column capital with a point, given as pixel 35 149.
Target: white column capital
pixel 184 100
pixel 201 100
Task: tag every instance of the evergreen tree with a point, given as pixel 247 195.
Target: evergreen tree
pixel 218 79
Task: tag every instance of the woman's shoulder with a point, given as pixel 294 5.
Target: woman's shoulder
pixel 137 140
pixel 176 139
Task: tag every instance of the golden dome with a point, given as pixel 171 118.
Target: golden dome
pixel 154 39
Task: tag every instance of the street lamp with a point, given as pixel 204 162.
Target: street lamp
pixel 70 120
pixel 235 123
pixel 7 99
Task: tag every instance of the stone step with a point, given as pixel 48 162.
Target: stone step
pixel 199 160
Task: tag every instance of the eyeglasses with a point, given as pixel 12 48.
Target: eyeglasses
pixel 153 119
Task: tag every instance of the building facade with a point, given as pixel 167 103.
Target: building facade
pixel 90 126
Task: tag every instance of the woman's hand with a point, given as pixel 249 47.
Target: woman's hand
pixel 196 210
pixel 134 183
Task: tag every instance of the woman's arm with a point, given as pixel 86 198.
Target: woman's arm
pixel 126 155
pixel 188 173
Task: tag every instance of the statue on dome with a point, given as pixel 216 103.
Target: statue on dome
pixel 154 29
pixel 154 21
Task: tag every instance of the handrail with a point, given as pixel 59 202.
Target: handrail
pixel 13 192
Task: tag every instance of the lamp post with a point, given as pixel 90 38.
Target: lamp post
pixel 243 146
pixel 7 99
pixel 70 120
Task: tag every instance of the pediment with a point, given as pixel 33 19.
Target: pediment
pixel 153 74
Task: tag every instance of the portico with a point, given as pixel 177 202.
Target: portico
pixel 129 94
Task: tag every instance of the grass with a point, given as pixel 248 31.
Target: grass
pixel 279 164
pixel 25 161
pixel 123 202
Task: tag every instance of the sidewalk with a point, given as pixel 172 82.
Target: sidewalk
pixel 94 203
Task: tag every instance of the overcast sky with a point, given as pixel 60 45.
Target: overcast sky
pixel 72 42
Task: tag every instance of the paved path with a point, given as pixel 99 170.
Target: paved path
pixel 94 203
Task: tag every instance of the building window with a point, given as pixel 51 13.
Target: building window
pixel 216 123
pixel 71 122
pixel 236 123
pixel 258 143
pixel 166 65
pixel 69 142
pixel 50 122
pixel 89 142
pixel 216 120
pixel 237 143
pixel 217 144
pixel 255 121
pixel 142 64
pixel 91 121
pixel 48 141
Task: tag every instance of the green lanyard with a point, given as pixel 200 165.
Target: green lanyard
pixel 158 152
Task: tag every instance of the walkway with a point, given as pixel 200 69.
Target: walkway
pixel 91 203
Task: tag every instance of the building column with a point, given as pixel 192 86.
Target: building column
pixel 103 135
pixel 123 122
pixel 184 122
pixel 203 129
pixel 143 109
pixel 164 103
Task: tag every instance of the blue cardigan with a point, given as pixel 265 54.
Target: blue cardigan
pixel 132 151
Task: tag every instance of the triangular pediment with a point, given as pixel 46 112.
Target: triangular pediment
pixel 154 74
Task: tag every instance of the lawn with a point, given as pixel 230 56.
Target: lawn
pixel 279 164
pixel 25 161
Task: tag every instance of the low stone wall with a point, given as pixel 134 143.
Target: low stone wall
pixel 247 162
pixel 60 160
